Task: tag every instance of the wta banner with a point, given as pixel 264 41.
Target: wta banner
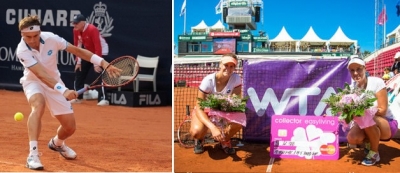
pixel 288 87
pixel 129 27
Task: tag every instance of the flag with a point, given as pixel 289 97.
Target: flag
pixel 183 9
pixel 218 9
pixel 398 8
pixel 382 18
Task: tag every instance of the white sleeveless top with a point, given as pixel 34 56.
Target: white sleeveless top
pixel 208 84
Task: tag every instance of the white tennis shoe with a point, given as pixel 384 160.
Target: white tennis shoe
pixel 33 162
pixel 103 103
pixel 76 101
pixel 64 150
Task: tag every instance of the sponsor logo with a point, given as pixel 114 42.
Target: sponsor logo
pixel 121 100
pixel 260 106
pixel 148 100
pixel 17 68
pixel 48 17
pixel 49 52
pixel 102 19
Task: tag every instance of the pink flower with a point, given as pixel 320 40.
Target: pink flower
pixel 347 99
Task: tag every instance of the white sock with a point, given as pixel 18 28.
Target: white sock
pixel 33 148
pixel 58 142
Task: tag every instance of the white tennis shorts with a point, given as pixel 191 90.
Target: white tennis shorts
pixel 56 103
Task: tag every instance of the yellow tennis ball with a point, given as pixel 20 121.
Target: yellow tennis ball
pixel 18 116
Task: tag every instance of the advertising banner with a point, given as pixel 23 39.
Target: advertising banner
pixel 288 87
pixel 129 27
pixel 224 45
pixel 304 137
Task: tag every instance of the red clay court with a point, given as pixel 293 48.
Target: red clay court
pixel 254 157
pixel 111 138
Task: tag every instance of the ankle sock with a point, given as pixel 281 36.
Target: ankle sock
pixel 368 146
pixel 372 154
pixel 33 149
pixel 58 142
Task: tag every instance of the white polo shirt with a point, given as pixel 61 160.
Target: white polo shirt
pixel 50 44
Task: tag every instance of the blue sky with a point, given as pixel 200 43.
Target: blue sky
pixel 355 17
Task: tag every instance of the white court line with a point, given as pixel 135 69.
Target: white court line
pixel 271 162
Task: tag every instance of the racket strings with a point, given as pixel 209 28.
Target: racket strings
pixel 129 68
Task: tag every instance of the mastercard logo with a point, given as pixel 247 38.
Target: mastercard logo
pixel 327 149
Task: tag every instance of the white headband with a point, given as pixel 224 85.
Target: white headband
pixel 357 61
pixel 32 28
pixel 397 55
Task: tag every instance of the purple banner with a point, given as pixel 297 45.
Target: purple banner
pixel 288 87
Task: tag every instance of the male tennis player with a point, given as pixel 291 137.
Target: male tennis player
pixel 37 52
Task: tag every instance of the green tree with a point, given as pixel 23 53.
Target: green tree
pixel 366 53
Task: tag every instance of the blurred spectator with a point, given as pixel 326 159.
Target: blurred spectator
pixel 396 64
pixel 386 76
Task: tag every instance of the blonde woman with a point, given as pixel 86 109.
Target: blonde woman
pixel 225 81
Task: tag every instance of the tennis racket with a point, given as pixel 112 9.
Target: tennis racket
pixel 185 138
pixel 129 67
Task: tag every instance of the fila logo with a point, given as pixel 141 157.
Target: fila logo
pixel 121 100
pixel 147 99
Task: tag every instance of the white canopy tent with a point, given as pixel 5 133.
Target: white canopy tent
pixel 311 38
pixel 217 27
pixel 201 27
pixel 340 39
pixel 283 41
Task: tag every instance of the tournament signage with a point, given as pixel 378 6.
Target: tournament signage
pixel 290 88
pixel 245 37
pixel 137 99
pixel 260 39
pixel 259 49
pixel 336 54
pixel 224 34
pixel 304 137
pixel 192 38
pixel 224 45
pixel 123 38
pixel 238 4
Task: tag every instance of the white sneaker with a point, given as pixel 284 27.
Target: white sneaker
pixel 33 162
pixel 103 103
pixel 64 150
pixel 76 101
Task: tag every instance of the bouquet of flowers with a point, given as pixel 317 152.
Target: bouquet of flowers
pixel 353 104
pixel 220 107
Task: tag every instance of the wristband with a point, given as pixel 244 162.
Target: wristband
pixel 96 60
pixel 60 88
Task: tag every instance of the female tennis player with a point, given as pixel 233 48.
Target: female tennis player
pixel 225 81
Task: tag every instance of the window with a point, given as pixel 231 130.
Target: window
pixel 242 46
pixel 194 47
